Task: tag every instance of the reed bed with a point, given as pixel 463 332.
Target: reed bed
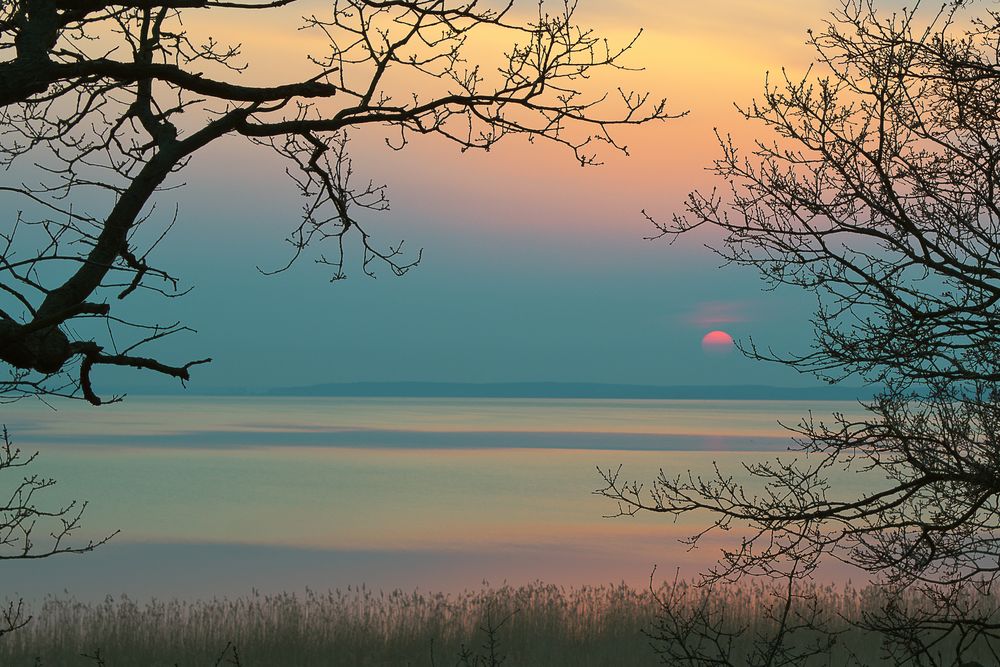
pixel 537 624
pixel 531 625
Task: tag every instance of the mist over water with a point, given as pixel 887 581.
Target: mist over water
pixel 218 496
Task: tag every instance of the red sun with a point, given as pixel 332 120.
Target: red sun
pixel 717 342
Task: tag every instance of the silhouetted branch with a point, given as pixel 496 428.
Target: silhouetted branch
pixel 107 101
pixel 876 190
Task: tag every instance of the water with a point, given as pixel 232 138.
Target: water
pixel 218 496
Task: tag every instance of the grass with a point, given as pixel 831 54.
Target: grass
pixel 527 626
pixel 538 625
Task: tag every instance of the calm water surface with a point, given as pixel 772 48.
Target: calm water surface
pixel 218 496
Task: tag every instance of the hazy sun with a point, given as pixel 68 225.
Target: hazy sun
pixel 717 342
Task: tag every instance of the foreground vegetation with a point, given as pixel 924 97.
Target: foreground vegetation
pixel 530 625
pixel 534 625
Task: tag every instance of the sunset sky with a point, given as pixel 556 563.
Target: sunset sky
pixel 534 268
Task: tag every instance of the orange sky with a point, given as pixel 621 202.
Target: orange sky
pixel 535 268
pixel 701 56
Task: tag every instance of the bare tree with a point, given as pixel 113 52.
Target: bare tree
pixel 108 100
pixel 877 191
pixel 29 530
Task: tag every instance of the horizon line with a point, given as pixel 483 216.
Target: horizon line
pixel 537 389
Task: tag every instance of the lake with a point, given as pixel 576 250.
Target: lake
pixel 224 495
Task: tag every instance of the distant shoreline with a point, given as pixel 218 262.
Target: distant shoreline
pixel 554 390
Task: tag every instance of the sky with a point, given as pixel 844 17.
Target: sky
pixel 534 268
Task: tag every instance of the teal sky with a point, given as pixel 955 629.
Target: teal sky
pixel 543 291
pixel 534 269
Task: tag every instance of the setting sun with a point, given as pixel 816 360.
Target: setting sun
pixel 717 342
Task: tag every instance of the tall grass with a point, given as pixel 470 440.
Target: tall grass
pixel 534 625
pixel 538 625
